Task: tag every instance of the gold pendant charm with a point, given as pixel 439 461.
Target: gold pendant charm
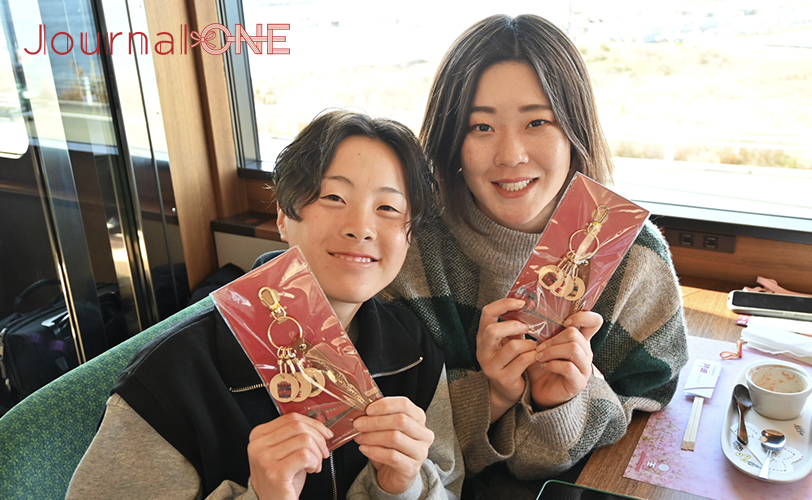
pixel 305 388
pixel 549 276
pixel 578 289
pixel 315 376
pixel 284 387
pixel 563 286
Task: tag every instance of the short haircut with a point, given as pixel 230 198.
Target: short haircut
pixel 563 77
pixel 301 166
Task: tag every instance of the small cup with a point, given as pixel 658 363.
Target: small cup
pixel 779 390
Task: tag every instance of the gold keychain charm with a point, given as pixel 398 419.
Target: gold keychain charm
pixel 270 299
pixel 305 387
pixel 303 369
pixel 284 386
pixel 322 369
pixel 313 377
pixel 287 385
pixel 317 377
pixel 562 280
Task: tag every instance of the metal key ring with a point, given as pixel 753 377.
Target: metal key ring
pixel 588 255
pixel 278 321
pixel 270 299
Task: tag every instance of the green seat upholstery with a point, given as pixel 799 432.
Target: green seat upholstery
pixel 43 438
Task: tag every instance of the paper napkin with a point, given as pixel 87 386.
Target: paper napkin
pixel 778 341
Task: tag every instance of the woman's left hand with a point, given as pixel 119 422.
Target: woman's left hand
pixel 396 440
pixel 564 361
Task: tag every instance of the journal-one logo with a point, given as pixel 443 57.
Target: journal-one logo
pixel 63 43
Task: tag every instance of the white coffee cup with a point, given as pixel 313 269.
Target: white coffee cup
pixel 778 389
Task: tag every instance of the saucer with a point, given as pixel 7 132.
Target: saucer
pixel 794 462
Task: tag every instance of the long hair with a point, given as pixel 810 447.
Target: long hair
pixel 563 77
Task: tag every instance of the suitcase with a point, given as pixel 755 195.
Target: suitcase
pixel 37 346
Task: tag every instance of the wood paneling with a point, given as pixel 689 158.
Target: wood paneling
pixel 260 196
pixel 229 191
pixel 196 116
pixel 788 263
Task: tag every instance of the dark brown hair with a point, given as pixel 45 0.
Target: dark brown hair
pixel 563 77
pixel 301 166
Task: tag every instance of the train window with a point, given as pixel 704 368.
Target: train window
pixel 13 134
pixel 705 104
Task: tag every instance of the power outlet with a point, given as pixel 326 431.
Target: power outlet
pixel 685 238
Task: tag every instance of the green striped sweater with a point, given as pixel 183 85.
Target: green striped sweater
pixel 452 272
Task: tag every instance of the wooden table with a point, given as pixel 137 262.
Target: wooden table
pixel 707 315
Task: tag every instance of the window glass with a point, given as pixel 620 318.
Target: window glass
pixel 13 135
pixel 705 103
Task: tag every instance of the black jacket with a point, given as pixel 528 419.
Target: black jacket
pixel 182 384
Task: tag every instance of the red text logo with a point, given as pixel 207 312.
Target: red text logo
pixel 62 42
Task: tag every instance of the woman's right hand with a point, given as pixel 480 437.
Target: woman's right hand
pixel 281 453
pixel 504 354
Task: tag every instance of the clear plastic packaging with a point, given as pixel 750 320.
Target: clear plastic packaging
pixel 286 326
pixel 587 236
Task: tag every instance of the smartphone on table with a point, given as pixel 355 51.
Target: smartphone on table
pixel 775 305
pixel 559 490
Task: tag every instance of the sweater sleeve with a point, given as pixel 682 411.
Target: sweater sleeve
pixel 639 350
pixel 130 458
pixel 440 476
pixel 642 345
pixel 533 444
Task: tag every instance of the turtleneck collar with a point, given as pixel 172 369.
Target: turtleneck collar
pixel 496 243
pixel 499 252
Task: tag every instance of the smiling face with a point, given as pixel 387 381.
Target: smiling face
pixel 354 235
pixel 515 157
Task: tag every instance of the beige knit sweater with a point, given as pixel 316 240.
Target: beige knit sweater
pixel 453 271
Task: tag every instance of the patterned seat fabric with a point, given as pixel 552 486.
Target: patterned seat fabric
pixel 43 438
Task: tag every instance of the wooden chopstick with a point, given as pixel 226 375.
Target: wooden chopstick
pixel 689 439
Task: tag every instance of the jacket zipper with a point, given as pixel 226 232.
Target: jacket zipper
pixel 395 372
pixel 257 386
pixel 333 475
pixel 2 362
pixel 332 463
pixel 246 389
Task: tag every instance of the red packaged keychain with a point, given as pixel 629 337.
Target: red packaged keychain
pixel 587 236
pixel 286 326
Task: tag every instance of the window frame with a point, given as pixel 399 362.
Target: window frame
pixel 250 164
pixel 9 149
pixel 241 100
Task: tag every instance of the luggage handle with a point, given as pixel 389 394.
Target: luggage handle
pixel 33 288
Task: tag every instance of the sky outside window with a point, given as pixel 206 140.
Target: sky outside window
pixel 705 103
